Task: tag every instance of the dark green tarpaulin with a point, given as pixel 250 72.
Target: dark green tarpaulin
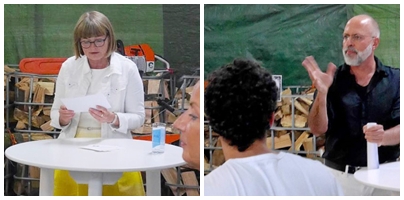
pixel 47 30
pixel 388 17
pixel 281 36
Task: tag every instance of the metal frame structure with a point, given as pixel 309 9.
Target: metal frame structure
pixel 7 106
pixel 187 80
pixel 24 178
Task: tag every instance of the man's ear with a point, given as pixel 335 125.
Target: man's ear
pixel 375 43
pixel 271 119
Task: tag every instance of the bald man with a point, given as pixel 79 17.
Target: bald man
pixel 360 91
pixel 189 125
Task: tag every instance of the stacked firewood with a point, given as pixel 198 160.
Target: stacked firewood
pixel 298 104
pixel 41 91
pixel 8 71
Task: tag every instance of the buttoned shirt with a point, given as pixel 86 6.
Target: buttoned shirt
pixel 350 107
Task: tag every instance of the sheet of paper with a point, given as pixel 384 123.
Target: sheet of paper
pixel 82 104
pixel 101 148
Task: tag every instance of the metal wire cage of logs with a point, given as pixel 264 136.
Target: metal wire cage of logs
pixel 27 102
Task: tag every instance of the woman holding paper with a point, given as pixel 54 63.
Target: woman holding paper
pixel 96 69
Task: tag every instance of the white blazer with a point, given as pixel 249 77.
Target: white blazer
pixel 122 86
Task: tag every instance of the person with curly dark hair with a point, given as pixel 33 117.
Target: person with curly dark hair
pixel 240 101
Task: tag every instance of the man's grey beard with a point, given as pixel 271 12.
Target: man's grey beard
pixel 361 55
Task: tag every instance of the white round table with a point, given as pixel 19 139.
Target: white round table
pixel 92 167
pixel 387 177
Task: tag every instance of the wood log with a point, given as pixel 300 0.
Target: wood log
pixel 300 140
pixel 46 110
pixel 49 87
pixel 305 100
pixel 189 179
pixel 208 166
pixel 153 87
pixel 36 121
pixel 20 125
pixel 286 109
pixel 20 115
pixel 8 69
pixel 45 117
pixel 280 133
pixel 280 142
pixel 218 156
pixel 39 97
pixel 40 136
pixel 171 177
pixel 304 105
pixel 297 134
pixel 278 115
pixel 300 121
pixel 11 96
pixel 19 186
pixel 299 107
pixel 22 85
pixel 47 127
pixel 286 100
pixel 308 147
pixel 189 89
pixel 310 90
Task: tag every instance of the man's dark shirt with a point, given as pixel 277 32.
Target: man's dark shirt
pixel 351 106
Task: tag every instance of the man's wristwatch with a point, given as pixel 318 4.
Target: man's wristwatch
pixel 115 119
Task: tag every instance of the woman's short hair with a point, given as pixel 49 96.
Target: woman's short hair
pixel 93 24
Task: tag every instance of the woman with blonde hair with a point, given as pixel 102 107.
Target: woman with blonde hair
pixel 97 68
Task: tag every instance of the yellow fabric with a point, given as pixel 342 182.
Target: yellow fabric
pixel 130 184
pixel 85 133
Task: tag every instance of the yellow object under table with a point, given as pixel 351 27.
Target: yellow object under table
pixel 130 184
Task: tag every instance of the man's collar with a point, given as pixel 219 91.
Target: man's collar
pixel 379 68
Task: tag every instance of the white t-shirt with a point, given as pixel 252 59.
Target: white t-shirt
pixel 86 120
pixel 282 174
pixel 96 84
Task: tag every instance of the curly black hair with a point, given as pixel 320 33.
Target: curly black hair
pixel 239 101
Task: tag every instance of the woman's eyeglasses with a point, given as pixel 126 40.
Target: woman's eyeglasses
pixel 97 43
